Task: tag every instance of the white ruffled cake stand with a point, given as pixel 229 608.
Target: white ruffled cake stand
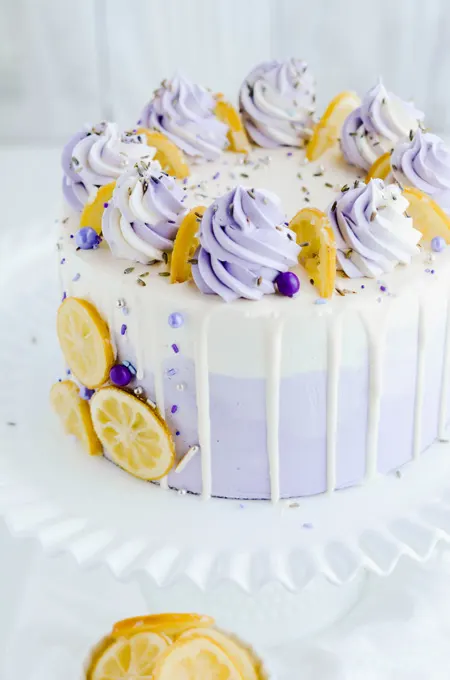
pixel 186 553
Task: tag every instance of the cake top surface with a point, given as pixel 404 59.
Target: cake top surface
pixel 185 198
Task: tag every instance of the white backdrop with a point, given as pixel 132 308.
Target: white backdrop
pixel 66 62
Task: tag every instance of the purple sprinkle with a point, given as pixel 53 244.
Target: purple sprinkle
pixel 172 371
pixel 289 153
pixel 432 271
pixel 123 329
pixel 105 205
pixel 177 433
pixel 68 371
pixel 383 289
pixel 185 181
pixel 427 271
pixel 139 122
pixel 308 525
pixel 86 393
pixel 76 277
pixel 438 244
pixel 216 176
pixel 63 260
pixel 64 295
pixel 174 409
pixel 71 235
pixel 363 286
pixel 125 311
pixel 175 348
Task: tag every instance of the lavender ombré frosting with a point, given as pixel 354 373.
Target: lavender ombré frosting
pixel 277 102
pixel 244 245
pixel 142 219
pixel 184 112
pixel 96 156
pixel 373 233
pixel 424 163
pixel 382 120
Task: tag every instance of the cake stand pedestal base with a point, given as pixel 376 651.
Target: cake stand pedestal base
pixel 274 617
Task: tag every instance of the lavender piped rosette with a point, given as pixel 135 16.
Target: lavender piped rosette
pixel 142 219
pixel 184 112
pixel 375 127
pixel 277 102
pixel 424 163
pixel 373 232
pixel 96 156
pixel 245 244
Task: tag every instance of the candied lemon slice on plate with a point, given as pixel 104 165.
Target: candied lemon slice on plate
pixel 85 341
pixel 186 243
pixel 169 155
pixel 241 657
pixel 327 131
pixel 237 137
pixel 93 212
pixel 428 217
pixel 133 433
pixel 195 659
pixel 318 256
pixel 381 168
pixel 127 658
pixel 75 415
pixel 170 624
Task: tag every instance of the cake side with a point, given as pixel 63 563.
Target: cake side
pixel 286 397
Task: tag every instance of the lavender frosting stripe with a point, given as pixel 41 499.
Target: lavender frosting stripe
pixel 277 101
pixel 244 245
pixel 184 112
pixel 382 120
pixel 424 162
pixel 96 156
pixel 143 217
pixel 373 233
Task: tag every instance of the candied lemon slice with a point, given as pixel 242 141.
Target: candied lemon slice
pixel 186 243
pixel 131 658
pixel 85 341
pixel 242 658
pixel 169 155
pixel 170 624
pixel 75 415
pixel 133 433
pixel 428 217
pixel 327 131
pixel 381 168
pixel 237 137
pixel 318 257
pixel 195 659
pixel 93 212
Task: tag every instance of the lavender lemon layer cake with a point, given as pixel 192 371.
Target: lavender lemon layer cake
pixel 250 322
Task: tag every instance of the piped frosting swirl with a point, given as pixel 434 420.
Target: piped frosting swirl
pixel 245 244
pixel 96 156
pixel 373 233
pixel 372 129
pixel 142 219
pixel 184 112
pixel 424 163
pixel 277 101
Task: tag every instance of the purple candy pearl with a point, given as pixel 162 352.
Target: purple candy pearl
pixel 87 238
pixel 287 283
pixel 175 320
pixel 437 244
pixel 120 375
